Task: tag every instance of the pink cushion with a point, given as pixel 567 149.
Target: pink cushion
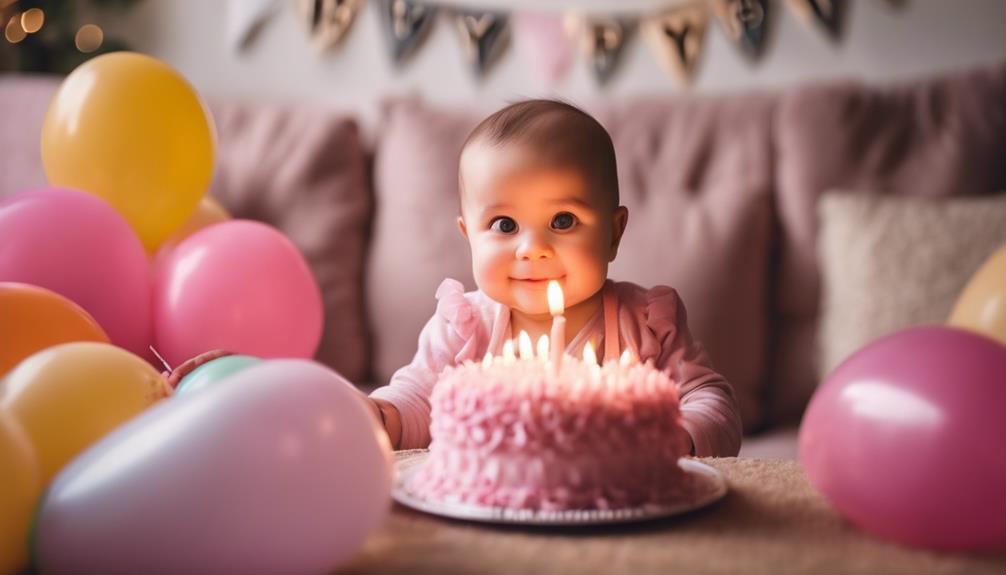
pixel 303 171
pixel 415 242
pixel 695 174
pixel 938 137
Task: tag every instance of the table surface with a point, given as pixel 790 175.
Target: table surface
pixel 771 521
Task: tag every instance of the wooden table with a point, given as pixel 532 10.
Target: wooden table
pixel 771 521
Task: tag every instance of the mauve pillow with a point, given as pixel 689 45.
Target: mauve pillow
pixel 416 242
pixel 939 136
pixel 890 262
pixel 303 170
pixel 695 175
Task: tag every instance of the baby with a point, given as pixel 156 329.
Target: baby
pixel 539 202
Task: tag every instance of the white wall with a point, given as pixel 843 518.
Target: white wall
pixel 881 42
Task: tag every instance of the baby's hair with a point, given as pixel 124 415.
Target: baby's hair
pixel 559 134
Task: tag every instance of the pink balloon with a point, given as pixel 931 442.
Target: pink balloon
pixel 237 285
pixel 78 246
pixel 907 439
pixel 280 468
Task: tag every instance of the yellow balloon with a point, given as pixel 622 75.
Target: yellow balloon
pixel 19 490
pixel 982 305
pixel 68 396
pixel 207 213
pixel 131 130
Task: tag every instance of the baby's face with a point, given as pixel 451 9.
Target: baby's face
pixel 528 224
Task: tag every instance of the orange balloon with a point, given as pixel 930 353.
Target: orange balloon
pixel 19 490
pixel 34 318
pixel 981 306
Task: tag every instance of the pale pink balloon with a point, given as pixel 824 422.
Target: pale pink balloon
pixel 280 468
pixel 907 438
pixel 78 246
pixel 237 285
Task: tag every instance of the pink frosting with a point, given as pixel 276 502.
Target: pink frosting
pixel 517 434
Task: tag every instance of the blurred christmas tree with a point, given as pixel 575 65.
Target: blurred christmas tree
pixel 48 36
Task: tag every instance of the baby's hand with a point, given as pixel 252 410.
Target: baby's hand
pixel 176 375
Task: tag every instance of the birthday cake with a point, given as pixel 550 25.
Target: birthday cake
pixel 521 434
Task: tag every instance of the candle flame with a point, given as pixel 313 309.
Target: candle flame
pixel 626 358
pixel 589 357
pixel 556 302
pixel 524 343
pixel 543 347
pixel 487 361
pixel 508 354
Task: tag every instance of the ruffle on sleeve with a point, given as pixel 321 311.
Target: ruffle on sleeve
pixel 457 311
pixel 663 314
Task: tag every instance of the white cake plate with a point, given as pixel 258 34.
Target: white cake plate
pixel 708 486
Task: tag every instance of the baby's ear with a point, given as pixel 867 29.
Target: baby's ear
pixel 619 220
pixel 462 227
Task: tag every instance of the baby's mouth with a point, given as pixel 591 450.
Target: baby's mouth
pixel 536 281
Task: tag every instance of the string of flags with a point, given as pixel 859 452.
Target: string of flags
pixel 546 39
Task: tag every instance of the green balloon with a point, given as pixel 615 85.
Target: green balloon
pixel 212 372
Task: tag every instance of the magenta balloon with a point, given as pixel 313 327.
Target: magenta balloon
pixel 279 469
pixel 78 246
pixel 237 285
pixel 907 438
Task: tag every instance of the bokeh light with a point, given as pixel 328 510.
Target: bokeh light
pixel 13 32
pixel 89 38
pixel 32 20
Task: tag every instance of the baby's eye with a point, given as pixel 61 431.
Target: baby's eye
pixel 503 224
pixel 563 221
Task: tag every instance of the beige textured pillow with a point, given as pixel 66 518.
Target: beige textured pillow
pixel 890 262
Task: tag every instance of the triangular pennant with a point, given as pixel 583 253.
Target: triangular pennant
pixel 407 24
pixel 245 18
pixel 543 40
pixel 676 35
pixel 827 13
pixel 602 40
pixel 485 35
pixel 745 22
pixel 328 20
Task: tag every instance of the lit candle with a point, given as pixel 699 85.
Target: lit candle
pixel 524 345
pixel 487 361
pixel 556 306
pixel 589 357
pixel 543 347
pixel 508 355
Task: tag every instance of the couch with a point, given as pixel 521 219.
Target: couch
pixel 722 192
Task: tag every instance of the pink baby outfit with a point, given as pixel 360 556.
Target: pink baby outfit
pixel 651 323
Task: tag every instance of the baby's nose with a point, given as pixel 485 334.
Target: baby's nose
pixel 533 247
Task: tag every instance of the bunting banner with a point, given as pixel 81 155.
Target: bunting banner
pixel 676 36
pixel 745 22
pixel 328 20
pixel 407 24
pixel 826 14
pixel 602 41
pixel 547 38
pixel 485 36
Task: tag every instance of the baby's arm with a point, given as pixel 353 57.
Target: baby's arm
pixel 709 409
pixel 404 404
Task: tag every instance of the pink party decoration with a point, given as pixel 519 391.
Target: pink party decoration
pixel 78 246
pixel 281 468
pixel 237 285
pixel 907 439
pixel 544 43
